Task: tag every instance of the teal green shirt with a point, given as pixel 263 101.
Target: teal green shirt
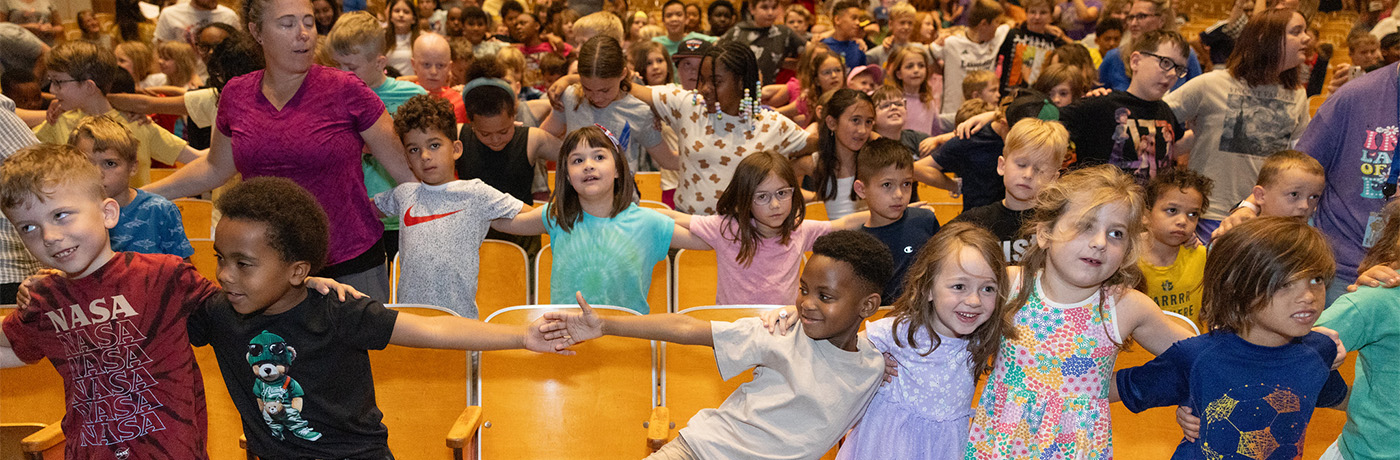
pixel 609 259
pixel 1368 321
pixel 672 46
pixel 394 93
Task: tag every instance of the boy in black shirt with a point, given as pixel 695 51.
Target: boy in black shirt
pixel 885 180
pixel 1035 149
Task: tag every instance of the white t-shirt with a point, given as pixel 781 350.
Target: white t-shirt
pixel 203 106
pixel 180 22
pixel 153 80
pixel 401 56
pixel 804 395
pixel 843 205
pixel 960 56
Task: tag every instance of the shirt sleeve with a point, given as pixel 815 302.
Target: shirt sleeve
pixel 643 130
pixel 388 202
pixel 794 138
pixel 500 205
pixel 1353 322
pixel 363 323
pixel 708 228
pixel 159 143
pixel 197 289
pixel 813 229
pixel 20 333
pixel 739 345
pixel 1186 100
pixel 203 106
pixel 1334 390
pixel 364 106
pixel 668 100
pixel 1161 382
pixel 174 241
pixel 664 228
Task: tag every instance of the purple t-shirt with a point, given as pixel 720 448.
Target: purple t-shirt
pixel 314 141
pixel 771 278
pixel 1353 135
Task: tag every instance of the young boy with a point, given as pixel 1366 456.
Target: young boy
pixel 776 415
pixel 774 44
pixel 902 18
pixel 1107 34
pixel 673 17
pixel 432 66
pixel 890 111
pixel 21 86
pixel 1290 185
pixel 595 24
pixel 964 53
pixel 475 27
pixel 440 209
pixel 845 18
pixel 294 360
pixel 1035 149
pixel 149 223
pixel 981 84
pixel 687 59
pixel 136 304
pixel 80 75
pixel 1026 48
pixel 972 160
pixel 533 44
pixel 797 18
pixel 885 180
pixel 1171 267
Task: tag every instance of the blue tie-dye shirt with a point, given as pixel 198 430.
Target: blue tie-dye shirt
pixel 610 260
pixel 150 224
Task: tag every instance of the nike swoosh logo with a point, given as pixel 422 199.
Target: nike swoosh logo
pixel 411 220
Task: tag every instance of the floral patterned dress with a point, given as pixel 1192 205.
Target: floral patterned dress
pixel 1047 397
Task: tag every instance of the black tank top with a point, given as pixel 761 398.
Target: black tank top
pixel 508 170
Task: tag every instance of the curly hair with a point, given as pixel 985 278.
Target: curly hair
pixel 869 259
pixel 1179 179
pixel 428 113
pixel 297 227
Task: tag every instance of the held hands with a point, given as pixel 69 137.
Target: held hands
pixel 537 340
pixel 566 329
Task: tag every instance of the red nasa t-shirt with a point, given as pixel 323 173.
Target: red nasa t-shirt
pixel 118 338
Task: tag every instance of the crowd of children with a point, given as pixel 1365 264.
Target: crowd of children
pixel 1099 190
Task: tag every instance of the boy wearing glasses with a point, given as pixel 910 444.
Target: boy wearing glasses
pixel 1143 17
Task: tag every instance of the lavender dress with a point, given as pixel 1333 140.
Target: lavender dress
pixel 922 414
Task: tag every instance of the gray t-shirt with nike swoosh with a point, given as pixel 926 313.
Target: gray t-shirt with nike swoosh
pixel 442 227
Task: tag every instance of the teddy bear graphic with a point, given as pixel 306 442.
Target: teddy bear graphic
pixel 279 396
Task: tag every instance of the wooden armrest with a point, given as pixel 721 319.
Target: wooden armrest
pixel 464 429
pixel 659 427
pixel 43 439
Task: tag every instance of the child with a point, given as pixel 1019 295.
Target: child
pixel 673 16
pixel 92 29
pixel 603 81
pixel 1035 150
pixel 272 234
pixel 885 181
pixel 775 415
pixel 907 69
pixel 820 73
pixel 1107 34
pixel 475 22
pixel 865 78
pixel 890 115
pixel 844 129
pixel 179 63
pixel 981 84
pixel 137 59
pixel 971 160
pixel 652 63
pixel 80 75
pixel 943 332
pixel 526 31
pixel 903 18
pixel 797 18
pixel 149 223
pixel 599 23
pixel 773 43
pixel 1049 392
pixel 1290 184
pixel 399 35
pixel 432 65
pixel 964 53
pixel 1265 286
pixel 1026 48
pixel 20 86
pixel 845 18
pixel 1060 83
pixel 1172 264
pixel 687 60
pixel 971 108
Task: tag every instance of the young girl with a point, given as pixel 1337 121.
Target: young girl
pixel 1049 392
pixel 601 98
pixel 1266 283
pixel 846 122
pixel 759 234
pixel 326 12
pixel 92 29
pixel 137 59
pixel 908 70
pixel 819 72
pixel 652 62
pixel 1063 84
pixel 179 64
pixel 943 331
pixel 604 244
pixel 401 31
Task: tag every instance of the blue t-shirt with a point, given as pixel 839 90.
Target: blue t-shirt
pixel 849 49
pixel 975 160
pixel 904 237
pixel 150 224
pixel 1114 75
pixel 609 259
pixel 1249 397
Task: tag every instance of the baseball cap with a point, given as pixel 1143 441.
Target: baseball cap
pixel 691 48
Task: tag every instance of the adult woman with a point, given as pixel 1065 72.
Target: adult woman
pixel 1144 16
pixel 307 123
pixel 1255 108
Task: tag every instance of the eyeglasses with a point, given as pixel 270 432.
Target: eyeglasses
pixel 1170 66
pixel 782 195
pixel 1140 17
pixel 55 82
pixel 895 104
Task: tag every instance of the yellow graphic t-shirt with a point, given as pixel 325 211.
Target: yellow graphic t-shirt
pixel 1177 288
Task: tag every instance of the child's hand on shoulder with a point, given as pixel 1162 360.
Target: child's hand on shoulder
pixel 22 296
pixel 1377 276
pixel 566 329
pixel 779 320
pixel 325 285
pixel 1341 349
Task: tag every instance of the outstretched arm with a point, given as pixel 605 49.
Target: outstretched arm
pixel 141 103
pixel 8 358
pixel 929 172
pixel 682 238
pixel 450 332
pixel 530 221
pixel 543 146
pixel 575 327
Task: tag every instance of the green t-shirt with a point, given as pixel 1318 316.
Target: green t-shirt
pixel 671 46
pixel 1368 321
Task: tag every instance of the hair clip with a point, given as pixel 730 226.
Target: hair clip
pixel 612 138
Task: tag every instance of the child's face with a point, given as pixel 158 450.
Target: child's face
pixel 887 192
pixel 889 115
pixel 432 62
pixel 426 7
pixel 601 92
pixel 688 71
pixel 674 19
pixel 526 29
pixel 1296 42
pixel 1390 55
pixel 254 275
pixel 89 23
pixel 1366 53
pixel 656 68
pixel 432 156
pixel 718 84
pixel 1294 193
pixel 773 213
pixel 401 16
pixel 964 294
pixel 494 131
pixel 1037 17
pixel 116 171
pixel 124 61
pixel 474 30
pixel 1085 247
pixel 912 72
pixel 69 92
pixel 796 22
pixel 692 17
pixel 592 171
pixel 989 93
pixel 928 28
pixel 324 12
pixel 68 229
pixel 454 22
pixel 26 95
pixel 1061 95
pixel 1024 174
pixel 1149 80
pixel 901 28
pixel 368 65
pixel 1108 40
pixel 864 83
pixel 847 24
pixel 765 13
pixel 721 19
pixel 828 302
pixel 1290 312
pixel 167 66
pixel 853 128
pixel 831 74
pixel 1172 220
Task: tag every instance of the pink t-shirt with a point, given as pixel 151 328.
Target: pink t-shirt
pixel 314 141
pixel 771 278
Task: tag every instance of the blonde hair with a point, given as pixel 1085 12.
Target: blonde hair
pixel 106 133
pixel 143 60
pixel 1284 160
pixel 897 60
pixel 975 81
pixel 971 108
pixel 599 23
pixel 513 60
pixel 650 31
pixel 1037 138
pixel 357 32
pixel 38 170
pixel 903 10
pixel 186 63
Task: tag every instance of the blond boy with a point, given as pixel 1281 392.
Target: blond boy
pixel 149 223
pixel 1035 149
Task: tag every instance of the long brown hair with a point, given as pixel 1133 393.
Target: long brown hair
pixel 897 60
pixel 391 39
pixel 736 203
pixel 1260 48
pixel 1252 262
pixel 1386 250
pixel 564 206
pixel 602 57
pixel 809 73
pixel 916 308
